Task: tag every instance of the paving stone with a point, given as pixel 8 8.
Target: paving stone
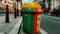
pixel 7 27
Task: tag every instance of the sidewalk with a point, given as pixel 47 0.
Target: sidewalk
pixel 5 28
pixel 13 26
pixel 41 31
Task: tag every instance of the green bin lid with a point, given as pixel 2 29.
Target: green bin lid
pixel 28 9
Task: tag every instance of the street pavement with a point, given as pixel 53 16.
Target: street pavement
pixel 41 31
pixel 51 24
pixel 5 28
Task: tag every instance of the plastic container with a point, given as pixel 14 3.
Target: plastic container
pixel 31 14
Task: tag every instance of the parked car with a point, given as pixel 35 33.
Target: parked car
pixel 56 11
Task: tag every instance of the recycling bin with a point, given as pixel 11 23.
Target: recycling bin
pixel 31 19
pixel 28 19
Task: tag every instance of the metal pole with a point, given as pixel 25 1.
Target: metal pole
pixel 7 14
pixel 21 3
pixel 14 6
pixel 15 16
pixel 49 5
pixel 17 10
pixel 44 7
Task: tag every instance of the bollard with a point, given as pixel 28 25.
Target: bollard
pixel 15 16
pixel 17 12
pixel 7 14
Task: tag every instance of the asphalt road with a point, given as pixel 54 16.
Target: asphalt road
pixel 51 24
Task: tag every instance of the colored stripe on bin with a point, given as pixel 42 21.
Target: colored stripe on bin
pixel 35 23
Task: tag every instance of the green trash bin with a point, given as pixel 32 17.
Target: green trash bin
pixel 28 17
